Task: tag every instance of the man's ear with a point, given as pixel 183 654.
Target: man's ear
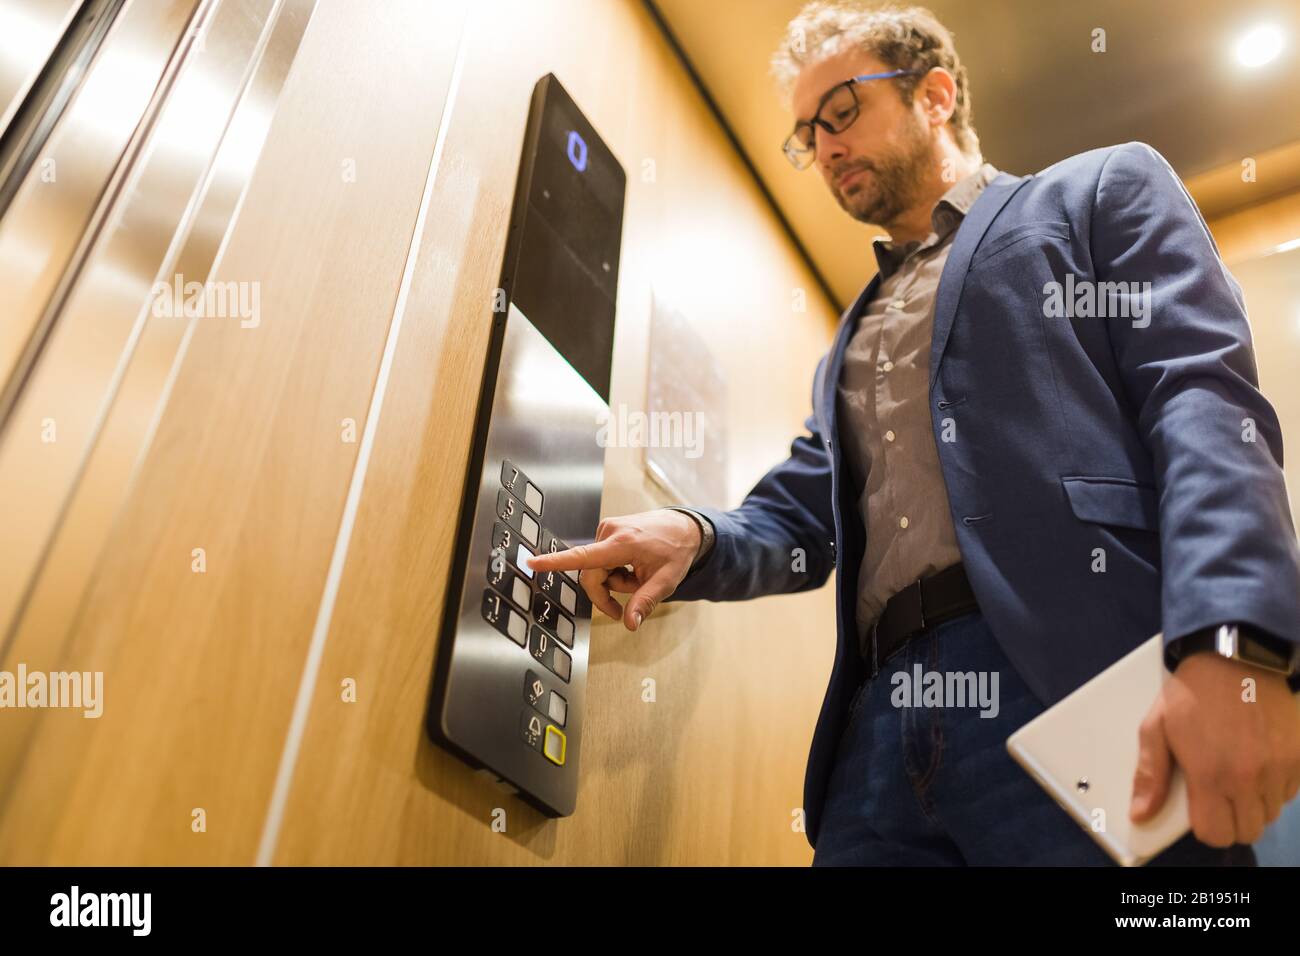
pixel 937 93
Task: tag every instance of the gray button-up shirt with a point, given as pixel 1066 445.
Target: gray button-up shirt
pixel 884 413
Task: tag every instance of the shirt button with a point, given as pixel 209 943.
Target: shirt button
pixel 898 303
pixel 902 522
pixel 889 435
pixel 888 366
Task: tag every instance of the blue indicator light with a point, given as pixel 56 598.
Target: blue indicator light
pixel 577 151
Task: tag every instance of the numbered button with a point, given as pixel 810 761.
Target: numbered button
pixel 504 539
pixel 568 597
pixel 549 582
pixel 533 498
pixel 498 612
pixel 512 479
pixel 546 649
pixel 564 629
pixel 508 582
pixel 520 521
pixel 544 612
pixel 550 544
pixel 508 508
pixel 547 614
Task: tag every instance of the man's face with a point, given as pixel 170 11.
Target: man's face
pixel 877 167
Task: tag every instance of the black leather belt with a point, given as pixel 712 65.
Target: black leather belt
pixel 921 605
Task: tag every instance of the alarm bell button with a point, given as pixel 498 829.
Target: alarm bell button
pixel 555 745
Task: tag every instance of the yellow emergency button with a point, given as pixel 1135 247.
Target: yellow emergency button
pixel 555 745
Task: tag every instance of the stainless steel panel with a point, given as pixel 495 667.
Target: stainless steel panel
pixel 545 419
pixel 29 32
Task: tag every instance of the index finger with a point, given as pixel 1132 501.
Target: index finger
pixel 601 554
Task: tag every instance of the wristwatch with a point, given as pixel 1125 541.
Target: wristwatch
pixel 706 534
pixel 1240 642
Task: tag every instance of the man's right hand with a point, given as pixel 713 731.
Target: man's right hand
pixel 659 546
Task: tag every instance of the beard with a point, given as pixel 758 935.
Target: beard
pixel 893 183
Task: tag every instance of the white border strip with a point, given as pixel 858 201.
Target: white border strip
pixel 315 653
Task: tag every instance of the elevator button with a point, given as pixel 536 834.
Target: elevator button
pixel 549 582
pixel 504 538
pixel 508 583
pixel 568 598
pixel 564 629
pixel 558 708
pixel 551 544
pixel 555 745
pixel 517 629
pixel 508 621
pixel 534 689
pixel 522 555
pixel 546 649
pixel 529 528
pixel 521 593
pixel 508 509
pixel 544 612
pixel 533 498
pixel 493 607
pixel 561 663
pixel 498 571
pixel 531 728
pixel 511 477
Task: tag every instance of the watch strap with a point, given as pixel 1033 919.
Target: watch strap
pixel 707 534
pixel 1253 646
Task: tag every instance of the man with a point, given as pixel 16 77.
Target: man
pixel 1037 440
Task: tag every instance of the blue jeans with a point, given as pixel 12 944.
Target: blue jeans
pixel 935 786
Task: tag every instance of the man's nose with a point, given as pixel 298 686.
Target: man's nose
pixel 829 148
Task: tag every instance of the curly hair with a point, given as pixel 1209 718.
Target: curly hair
pixel 904 38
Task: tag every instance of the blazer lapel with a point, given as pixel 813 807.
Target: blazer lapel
pixel 969 234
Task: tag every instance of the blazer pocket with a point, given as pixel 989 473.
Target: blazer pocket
pixel 1045 228
pixel 1117 501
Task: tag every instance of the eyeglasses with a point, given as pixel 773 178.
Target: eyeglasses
pixel 800 147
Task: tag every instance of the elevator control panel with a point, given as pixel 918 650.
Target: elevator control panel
pixel 511 668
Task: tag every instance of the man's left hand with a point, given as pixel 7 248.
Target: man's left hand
pixel 1240 757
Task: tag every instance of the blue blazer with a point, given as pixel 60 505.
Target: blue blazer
pixel 1144 435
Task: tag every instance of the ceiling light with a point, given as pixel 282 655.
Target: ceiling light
pixel 1259 45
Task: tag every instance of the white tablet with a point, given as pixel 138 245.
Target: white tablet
pixel 1084 752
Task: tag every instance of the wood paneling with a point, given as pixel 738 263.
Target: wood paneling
pixel 202 670
pixel 712 770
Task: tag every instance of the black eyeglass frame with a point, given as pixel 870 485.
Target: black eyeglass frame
pixel 803 158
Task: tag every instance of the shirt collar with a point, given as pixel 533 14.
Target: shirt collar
pixel 948 214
